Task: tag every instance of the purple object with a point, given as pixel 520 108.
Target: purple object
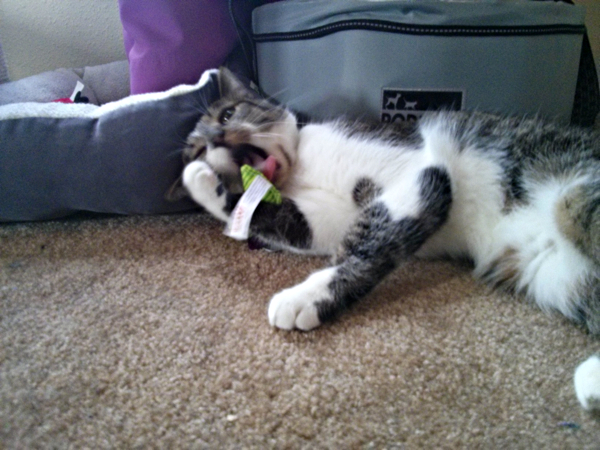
pixel 170 42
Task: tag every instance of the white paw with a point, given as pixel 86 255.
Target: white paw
pixel 201 182
pixel 296 307
pixel 587 383
pixel 199 178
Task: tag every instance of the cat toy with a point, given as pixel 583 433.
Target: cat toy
pixel 249 174
pixel 257 189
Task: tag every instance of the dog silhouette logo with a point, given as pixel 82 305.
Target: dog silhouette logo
pixel 392 101
pixel 399 105
pixel 410 105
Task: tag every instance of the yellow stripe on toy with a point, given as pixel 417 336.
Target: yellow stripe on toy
pixel 249 173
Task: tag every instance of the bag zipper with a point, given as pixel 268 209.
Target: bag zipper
pixel 430 30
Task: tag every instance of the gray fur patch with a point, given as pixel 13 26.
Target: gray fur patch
pixel 281 225
pixel 364 192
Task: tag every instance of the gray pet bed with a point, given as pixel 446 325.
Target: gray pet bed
pixel 57 159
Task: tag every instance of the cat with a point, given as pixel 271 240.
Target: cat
pixel 518 197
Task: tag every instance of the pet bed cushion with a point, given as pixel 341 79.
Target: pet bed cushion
pixel 101 84
pixel 122 157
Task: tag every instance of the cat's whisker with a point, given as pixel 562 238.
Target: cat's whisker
pixel 257 116
pixel 175 152
pixel 272 98
pixel 182 141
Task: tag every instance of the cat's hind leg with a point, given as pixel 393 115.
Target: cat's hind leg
pixel 374 246
pixel 546 251
pixel 578 219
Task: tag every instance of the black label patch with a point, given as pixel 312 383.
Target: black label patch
pixel 399 105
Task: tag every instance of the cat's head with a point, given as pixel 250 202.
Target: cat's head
pixel 243 128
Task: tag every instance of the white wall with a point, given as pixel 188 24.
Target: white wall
pixel 41 35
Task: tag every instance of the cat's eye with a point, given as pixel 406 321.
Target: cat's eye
pixel 226 115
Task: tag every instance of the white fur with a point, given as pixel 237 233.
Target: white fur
pixel 220 160
pixel 201 182
pixel 295 307
pixel 587 383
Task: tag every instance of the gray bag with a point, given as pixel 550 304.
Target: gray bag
pixel 393 60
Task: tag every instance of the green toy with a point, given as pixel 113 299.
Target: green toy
pixel 249 173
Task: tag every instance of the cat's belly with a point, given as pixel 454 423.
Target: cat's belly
pixel 463 236
pixel 329 216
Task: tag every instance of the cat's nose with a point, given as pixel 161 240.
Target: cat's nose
pixel 218 138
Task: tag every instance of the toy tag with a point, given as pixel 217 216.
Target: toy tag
pixel 238 226
pixel 78 89
pixel 76 96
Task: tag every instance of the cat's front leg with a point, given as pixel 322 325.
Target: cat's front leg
pixel 372 249
pixel 204 186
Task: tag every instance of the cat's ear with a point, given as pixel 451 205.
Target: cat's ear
pixel 176 191
pixel 231 86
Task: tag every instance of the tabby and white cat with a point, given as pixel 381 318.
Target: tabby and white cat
pixel 519 197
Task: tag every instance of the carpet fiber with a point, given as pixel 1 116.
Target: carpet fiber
pixel 151 332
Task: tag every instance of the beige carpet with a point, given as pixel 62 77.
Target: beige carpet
pixel 151 332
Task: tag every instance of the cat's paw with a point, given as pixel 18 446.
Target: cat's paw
pixel 296 307
pixel 200 179
pixel 204 187
pixel 587 383
pixel 292 308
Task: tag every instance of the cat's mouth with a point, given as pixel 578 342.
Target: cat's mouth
pixel 257 158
